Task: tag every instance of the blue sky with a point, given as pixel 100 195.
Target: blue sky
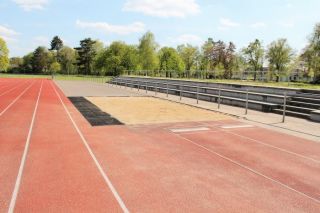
pixel 26 24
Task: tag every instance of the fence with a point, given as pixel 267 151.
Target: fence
pixel 196 91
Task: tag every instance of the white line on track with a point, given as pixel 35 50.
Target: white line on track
pixel 104 175
pixel 274 147
pixel 12 89
pixel 17 98
pixel 236 126
pixel 249 169
pixel 188 129
pixel 24 156
pixel 271 146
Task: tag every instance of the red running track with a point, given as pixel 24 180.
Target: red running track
pixel 52 160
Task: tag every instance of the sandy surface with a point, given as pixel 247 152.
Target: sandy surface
pixel 148 110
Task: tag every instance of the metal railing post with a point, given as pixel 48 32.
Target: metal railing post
pixel 247 101
pixel 219 98
pixel 197 94
pixel 284 107
pixel 180 92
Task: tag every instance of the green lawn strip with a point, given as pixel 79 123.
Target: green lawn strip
pixel 101 79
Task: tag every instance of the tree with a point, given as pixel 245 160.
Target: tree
pixel 40 60
pixel 98 46
pixel 16 64
pixel 117 58
pixel 239 65
pixel 99 49
pixel 114 57
pixel 67 58
pixel 130 58
pixel 170 60
pixel 311 54
pixel 55 67
pixel 56 44
pixel 216 53
pixel 147 52
pixel 86 55
pixel 27 63
pixel 222 55
pixel 228 60
pixel 254 56
pixel 279 55
pixel 4 55
pixel 206 63
pixel 189 55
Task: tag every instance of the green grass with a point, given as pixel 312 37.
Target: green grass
pixel 82 78
pixel 294 85
pixel 102 79
pixel 98 79
pixel 22 76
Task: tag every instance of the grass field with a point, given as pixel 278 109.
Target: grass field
pixel 98 79
pixel 102 79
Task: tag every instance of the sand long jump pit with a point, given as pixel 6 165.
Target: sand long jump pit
pixel 150 110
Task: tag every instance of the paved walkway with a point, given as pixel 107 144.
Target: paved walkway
pixel 293 126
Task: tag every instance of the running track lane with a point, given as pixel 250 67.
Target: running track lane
pixel 298 173
pixel 155 170
pixel 59 174
pixel 12 87
pixel 272 139
pixel 14 124
pixel 6 84
pixel 10 94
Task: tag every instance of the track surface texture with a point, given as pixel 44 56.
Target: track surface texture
pixel 53 160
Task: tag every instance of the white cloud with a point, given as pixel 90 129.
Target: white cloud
pixel 163 8
pixel 287 24
pixel 41 41
pixel 289 4
pixel 31 4
pixel 258 25
pixel 187 39
pixel 226 24
pixel 8 34
pixel 104 27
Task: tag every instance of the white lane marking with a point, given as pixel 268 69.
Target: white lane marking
pixel 191 129
pixel 274 147
pixel 17 98
pixel 236 126
pixel 248 168
pixel 23 159
pixel 13 88
pixel 104 175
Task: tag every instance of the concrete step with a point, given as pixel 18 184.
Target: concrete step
pixel 293 114
pixel 298 109
pixel 307 100
pixel 312 91
pixel 304 104
pixel 308 95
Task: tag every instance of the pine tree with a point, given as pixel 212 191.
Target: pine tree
pixel 86 54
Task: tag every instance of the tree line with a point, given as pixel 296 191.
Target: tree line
pixel 147 57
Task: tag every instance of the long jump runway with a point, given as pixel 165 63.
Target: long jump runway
pixel 53 160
